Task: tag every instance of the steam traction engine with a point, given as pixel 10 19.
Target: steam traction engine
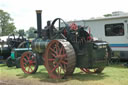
pixel 11 43
pixel 60 49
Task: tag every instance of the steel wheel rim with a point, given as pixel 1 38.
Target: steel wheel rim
pixel 86 70
pixel 95 70
pixel 56 60
pixel 28 62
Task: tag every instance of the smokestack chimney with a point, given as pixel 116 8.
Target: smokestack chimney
pixel 39 23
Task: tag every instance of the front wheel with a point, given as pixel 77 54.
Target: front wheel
pixel 29 63
pixel 9 62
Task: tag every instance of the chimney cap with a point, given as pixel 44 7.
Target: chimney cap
pixel 38 11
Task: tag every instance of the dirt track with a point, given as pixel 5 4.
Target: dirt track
pixel 13 76
pixel 6 80
pixel 9 81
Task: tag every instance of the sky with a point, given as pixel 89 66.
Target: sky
pixel 24 15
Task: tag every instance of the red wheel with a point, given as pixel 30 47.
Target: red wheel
pixel 29 63
pixel 59 59
pixel 96 70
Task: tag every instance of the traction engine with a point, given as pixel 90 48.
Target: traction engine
pixel 61 47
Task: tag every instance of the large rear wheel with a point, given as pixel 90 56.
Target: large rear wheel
pixel 60 59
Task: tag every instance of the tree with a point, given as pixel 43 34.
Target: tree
pixel 6 23
pixel 107 15
pixel 31 33
pixel 21 32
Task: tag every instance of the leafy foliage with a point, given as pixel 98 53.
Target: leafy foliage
pixel 31 33
pixel 107 15
pixel 6 23
pixel 21 32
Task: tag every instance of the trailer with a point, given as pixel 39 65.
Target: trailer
pixel 112 29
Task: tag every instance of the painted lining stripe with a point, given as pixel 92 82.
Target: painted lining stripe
pixel 118 45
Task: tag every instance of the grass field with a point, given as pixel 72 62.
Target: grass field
pixel 112 75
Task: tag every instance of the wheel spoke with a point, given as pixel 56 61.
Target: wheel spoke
pixel 25 66
pixel 59 70
pixel 64 55
pixel 54 63
pixel 33 65
pixel 87 70
pixel 25 60
pixel 54 68
pixel 53 50
pixel 57 47
pixel 60 51
pixel 24 63
pixel 62 68
pixel 30 68
pixel 31 61
pixel 27 57
pixel 53 55
pixel 64 62
pixel 51 59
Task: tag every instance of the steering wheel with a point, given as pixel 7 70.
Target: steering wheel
pixel 56 32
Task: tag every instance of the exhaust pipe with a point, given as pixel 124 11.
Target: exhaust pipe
pixel 39 22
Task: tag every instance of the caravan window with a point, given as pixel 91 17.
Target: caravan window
pixel 114 29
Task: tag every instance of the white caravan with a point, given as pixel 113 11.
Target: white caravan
pixel 113 29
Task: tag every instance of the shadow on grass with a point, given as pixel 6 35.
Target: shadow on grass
pixel 43 76
pixel 87 77
pixel 118 65
pixel 3 65
pixel 11 68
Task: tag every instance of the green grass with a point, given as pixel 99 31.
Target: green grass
pixel 112 75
